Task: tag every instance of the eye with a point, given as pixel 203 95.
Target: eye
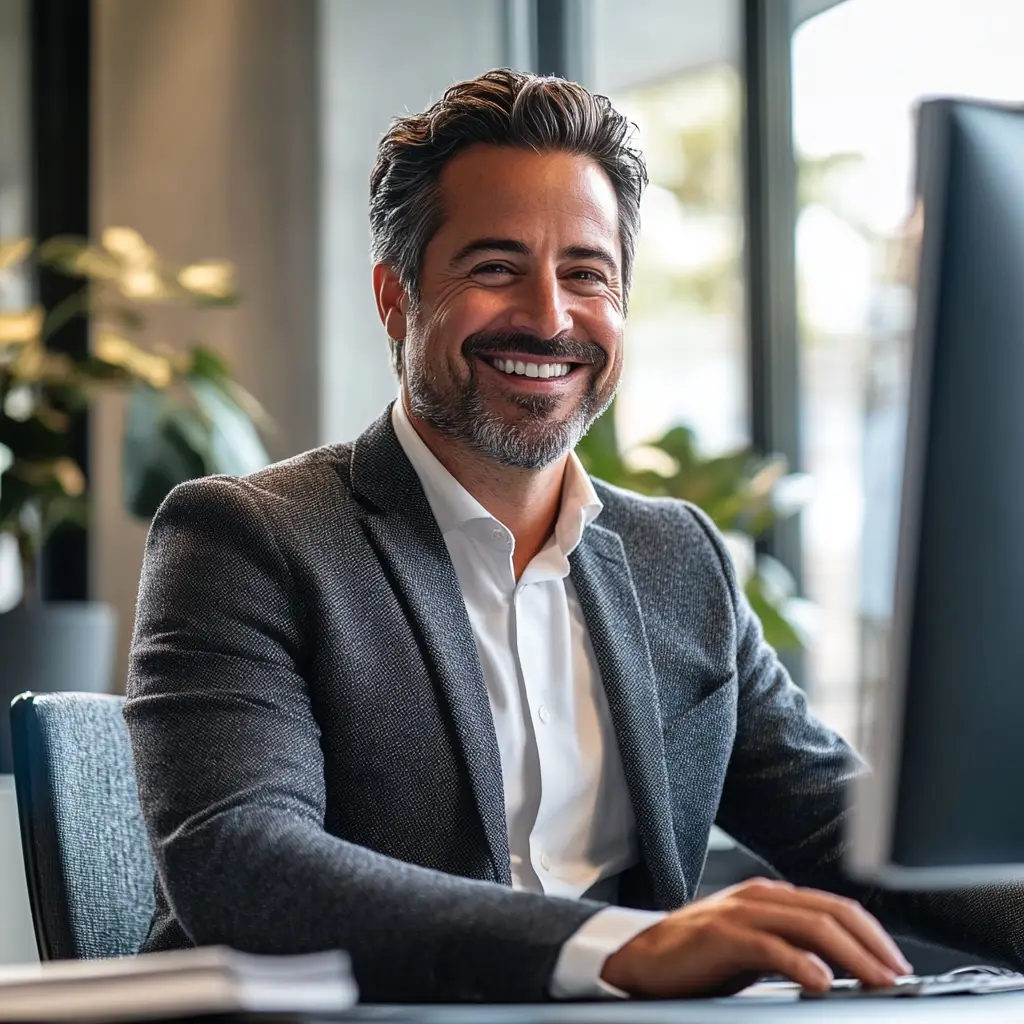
pixel 492 269
pixel 588 276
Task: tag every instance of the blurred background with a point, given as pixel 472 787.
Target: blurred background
pixel 774 291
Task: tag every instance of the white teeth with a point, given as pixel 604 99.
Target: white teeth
pixel 524 369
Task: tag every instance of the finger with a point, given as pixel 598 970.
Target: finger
pixel 817 932
pixel 849 913
pixel 765 953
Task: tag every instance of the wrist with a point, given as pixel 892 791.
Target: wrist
pixel 622 968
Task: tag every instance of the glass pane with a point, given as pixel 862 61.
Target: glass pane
pixel 859 71
pixel 672 68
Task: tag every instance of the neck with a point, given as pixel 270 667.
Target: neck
pixel 526 501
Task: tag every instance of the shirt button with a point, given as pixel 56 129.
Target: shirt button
pixel 545 862
pixel 543 714
pixel 498 534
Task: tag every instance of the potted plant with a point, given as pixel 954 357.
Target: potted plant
pixel 185 417
pixel 742 492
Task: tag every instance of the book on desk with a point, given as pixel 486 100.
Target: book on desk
pixel 183 983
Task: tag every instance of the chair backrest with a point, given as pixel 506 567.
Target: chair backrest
pixel 87 858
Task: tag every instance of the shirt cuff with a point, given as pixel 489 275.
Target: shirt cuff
pixel 577 973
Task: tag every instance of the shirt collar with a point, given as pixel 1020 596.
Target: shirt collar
pixel 453 506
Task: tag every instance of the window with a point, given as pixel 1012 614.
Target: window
pixel 672 68
pixel 859 71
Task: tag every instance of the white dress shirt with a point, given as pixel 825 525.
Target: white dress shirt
pixel 570 823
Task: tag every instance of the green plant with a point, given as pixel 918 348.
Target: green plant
pixel 744 494
pixel 185 416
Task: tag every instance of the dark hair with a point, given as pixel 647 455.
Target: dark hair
pixel 500 108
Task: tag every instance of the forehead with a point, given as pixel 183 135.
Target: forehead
pixel 506 192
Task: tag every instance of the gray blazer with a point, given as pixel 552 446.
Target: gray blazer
pixel 317 762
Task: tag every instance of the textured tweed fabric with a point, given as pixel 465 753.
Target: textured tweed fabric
pixel 91 863
pixel 317 763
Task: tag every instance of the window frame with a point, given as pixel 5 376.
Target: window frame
pixel 561 45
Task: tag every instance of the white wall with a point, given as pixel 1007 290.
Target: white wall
pixel 377 61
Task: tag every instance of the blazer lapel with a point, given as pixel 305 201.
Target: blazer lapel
pixel 604 584
pixel 404 533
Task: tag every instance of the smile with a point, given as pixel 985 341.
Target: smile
pixel 524 369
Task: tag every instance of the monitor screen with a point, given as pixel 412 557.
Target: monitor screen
pixel 942 805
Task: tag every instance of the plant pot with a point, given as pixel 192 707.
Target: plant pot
pixel 57 646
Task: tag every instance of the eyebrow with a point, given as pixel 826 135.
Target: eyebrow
pixel 512 245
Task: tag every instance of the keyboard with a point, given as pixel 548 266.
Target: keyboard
pixel 976 981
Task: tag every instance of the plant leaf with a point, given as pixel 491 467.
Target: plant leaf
pixel 76 257
pixel 211 281
pixel 156 371
pixel 127 245
pixel 236 447
pixel 598 450
pixel 778 631
pixel 62 510
pixel 32 439
pixel 14 252
pixel 15 494
pixel 208 364
pixel 164 445
pixel 21 328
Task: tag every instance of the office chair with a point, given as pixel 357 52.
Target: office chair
pixel 87 859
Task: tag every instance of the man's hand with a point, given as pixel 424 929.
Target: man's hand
pixel 719 945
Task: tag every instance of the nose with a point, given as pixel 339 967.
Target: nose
pixel 541 306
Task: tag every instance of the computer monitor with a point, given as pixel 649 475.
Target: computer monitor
pixel 944 805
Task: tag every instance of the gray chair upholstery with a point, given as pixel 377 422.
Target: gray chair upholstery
pixel 90 875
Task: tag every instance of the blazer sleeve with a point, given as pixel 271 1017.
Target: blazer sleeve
pixel 785 799
pixel 231 783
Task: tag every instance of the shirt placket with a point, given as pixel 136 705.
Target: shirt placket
pixel 541 669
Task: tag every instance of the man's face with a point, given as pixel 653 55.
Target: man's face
pixel 515 344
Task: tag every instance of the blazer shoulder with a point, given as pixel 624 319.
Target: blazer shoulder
pixel 626 511
pixel 656 524
pixel 283 488
pixel 299 476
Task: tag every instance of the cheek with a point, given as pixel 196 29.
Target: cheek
pixel 605 325
pixel 460 313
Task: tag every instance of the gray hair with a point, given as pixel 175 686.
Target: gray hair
pixel 500 108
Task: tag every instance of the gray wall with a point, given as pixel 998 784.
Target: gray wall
pixel 17 942
pixel 14 204
pixel 14 140
pixel 206 141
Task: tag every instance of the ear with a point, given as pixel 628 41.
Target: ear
pixel 392 302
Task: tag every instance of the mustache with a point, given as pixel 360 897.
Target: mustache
pixel 566 350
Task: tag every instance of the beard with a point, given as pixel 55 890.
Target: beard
pixel 532 438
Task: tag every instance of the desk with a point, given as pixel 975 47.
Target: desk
pixel 991 1009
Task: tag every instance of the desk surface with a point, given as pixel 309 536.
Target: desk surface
pixel 989 1009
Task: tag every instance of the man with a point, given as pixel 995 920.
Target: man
pixel 439 699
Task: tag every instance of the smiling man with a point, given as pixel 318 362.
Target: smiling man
pixel 438 698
